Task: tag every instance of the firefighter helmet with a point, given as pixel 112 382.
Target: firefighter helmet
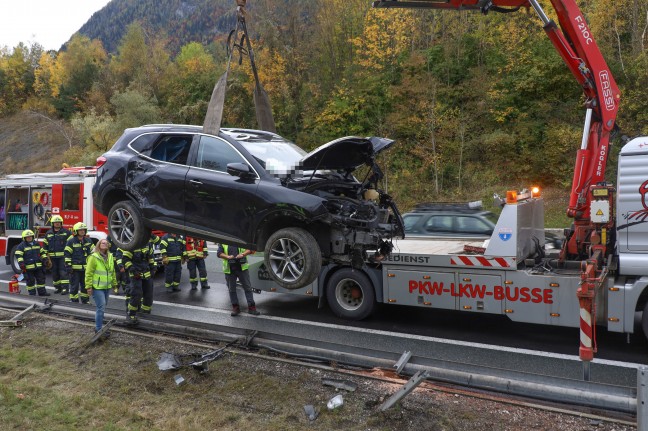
pixel 57 219
pixel 27 233
pixel 79 226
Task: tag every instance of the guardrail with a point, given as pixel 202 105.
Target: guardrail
pixel 619 387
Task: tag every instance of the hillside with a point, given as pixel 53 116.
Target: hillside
pixel 30 143
pixel 183 21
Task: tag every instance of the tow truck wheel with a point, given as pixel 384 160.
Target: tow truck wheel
pixel 350 294
pixel 14 261
pixel 644 321
pixel 126 227
pixel 293 258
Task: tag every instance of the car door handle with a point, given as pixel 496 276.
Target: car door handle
pixel 196 182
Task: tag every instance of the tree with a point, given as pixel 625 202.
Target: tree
pixel 75 72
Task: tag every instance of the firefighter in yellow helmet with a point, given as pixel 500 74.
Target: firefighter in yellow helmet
pixel 77 250
pixel 54 245
pixel 31 257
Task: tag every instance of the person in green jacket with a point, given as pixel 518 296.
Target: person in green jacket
pixel 100 277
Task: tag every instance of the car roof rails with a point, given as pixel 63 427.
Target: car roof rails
pixel 449 206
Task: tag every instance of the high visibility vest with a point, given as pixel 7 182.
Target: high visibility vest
pixel 104 271
pixel 226 265
pixel 196 248
pixel 173 247
pixel 55 242
pixel 30 254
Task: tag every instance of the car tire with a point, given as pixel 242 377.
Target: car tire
pixel 126 226
pixel 350 294
pixel 293 258
pixel 14 261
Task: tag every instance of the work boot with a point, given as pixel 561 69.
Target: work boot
pixel 131 320
pixel 206 286
pixel 194 286
pixel 58 290
pixel 175 289
pixel 236 310
pixel 145 311
pixel 253 311
pixel 257 291
pixel 43 292
pixel 65 292
pixel 32 292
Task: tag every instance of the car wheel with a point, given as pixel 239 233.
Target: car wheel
pixel 14 261
pixel 350 294
pixel 293 258
pixel 126 226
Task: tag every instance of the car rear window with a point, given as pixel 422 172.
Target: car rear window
pixel 173 149
pixel 144 144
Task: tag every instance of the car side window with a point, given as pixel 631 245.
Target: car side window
pixel 472 225
pixel 439 223
pixel 215 154
pixel 173 149
pixel 410 221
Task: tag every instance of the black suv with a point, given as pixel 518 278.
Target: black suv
pixel 253 189
pixel 450 220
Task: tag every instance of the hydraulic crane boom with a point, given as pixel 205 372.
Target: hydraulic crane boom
pixel 575 44
pixel 587 241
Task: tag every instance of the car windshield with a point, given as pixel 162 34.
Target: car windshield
pixel 277 156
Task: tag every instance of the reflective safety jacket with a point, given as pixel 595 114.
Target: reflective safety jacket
pixel 175 248
pixel 54 242
pixel 196 248
pixel 77 251
pixel 138 261
pixel 30 254
pixel 100 272
pixel 226 263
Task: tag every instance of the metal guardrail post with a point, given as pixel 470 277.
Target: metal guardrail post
pixel 642 398
pixel 408 387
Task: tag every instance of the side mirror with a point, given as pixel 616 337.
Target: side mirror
pixel 240 170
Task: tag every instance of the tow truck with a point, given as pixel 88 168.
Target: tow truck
pixel 599 277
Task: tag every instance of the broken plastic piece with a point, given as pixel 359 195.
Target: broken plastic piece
pixel 335 402
pixel 178 379
pixel 168 361
pixel 310 411
pixel 340 384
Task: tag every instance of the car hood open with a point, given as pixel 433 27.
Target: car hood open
pixel 345 153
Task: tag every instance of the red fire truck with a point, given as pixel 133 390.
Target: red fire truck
pixel 28 201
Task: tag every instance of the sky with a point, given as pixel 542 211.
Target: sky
pixel 48 22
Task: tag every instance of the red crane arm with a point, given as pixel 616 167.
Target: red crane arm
pixel 574 42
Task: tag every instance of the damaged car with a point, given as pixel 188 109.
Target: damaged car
pixel 253 189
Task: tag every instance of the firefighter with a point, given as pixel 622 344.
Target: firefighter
pixel 54 245
pixel 77 250
pixel 196 254
pixel 139 263
pixel 235 266
pixel 174 254
pixel 31 257
pixel 153 242
pixel 122 275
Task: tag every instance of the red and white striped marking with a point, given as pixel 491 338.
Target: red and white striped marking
pixel 494 262
pixel 585 329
